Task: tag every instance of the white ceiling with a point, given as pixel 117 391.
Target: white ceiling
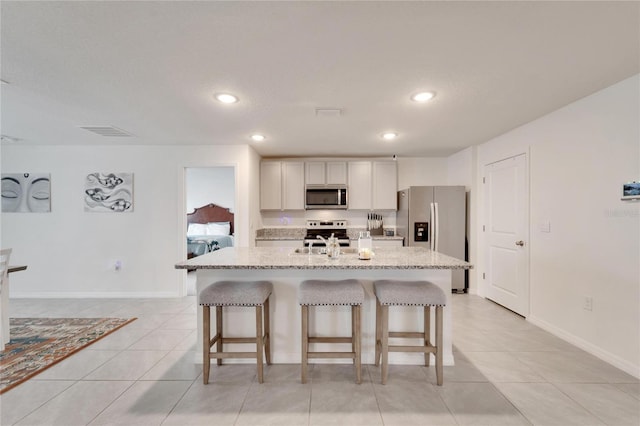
pixel 150 68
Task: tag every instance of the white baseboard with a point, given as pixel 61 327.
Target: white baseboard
pixel 594 350
pixel 93 295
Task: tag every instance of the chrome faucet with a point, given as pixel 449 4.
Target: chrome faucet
pixel 319 237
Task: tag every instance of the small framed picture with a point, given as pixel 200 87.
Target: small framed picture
pixel 631 191
pixel 26 192
pixel 108 192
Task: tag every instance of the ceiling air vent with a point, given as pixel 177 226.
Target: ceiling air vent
pixel 108 131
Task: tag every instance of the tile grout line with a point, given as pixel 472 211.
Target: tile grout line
pixel 244 400
pixel 179 400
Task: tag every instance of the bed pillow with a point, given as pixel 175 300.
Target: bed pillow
pixel 218 228
pixel 196 229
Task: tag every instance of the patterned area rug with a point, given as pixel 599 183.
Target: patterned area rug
pixel 38 343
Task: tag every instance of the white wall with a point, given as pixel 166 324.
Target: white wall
pixel 578 158
pixel 207 185
pixel 70 253
pixel 418 171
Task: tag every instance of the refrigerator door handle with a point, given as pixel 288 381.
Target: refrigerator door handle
pixel 436 227
pixel 432 240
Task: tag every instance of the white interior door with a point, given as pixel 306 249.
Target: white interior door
pixel 506 184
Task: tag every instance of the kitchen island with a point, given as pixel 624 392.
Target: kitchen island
pixel 287 268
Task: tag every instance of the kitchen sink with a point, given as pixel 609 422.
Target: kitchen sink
pixel 323 250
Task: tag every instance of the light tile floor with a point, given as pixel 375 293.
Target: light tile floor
pixel 508 372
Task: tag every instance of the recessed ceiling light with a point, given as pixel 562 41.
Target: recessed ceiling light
pixel 389 135
pixel 226 98
pixel 257 137
pixel 423 96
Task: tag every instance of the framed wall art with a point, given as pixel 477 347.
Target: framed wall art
pixel 631 191
pixel 26 192
pixel 108 192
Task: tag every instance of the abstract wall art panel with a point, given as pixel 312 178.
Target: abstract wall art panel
pixel 26 192
pixel 108 192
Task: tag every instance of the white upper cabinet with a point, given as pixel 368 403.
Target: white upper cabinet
pixel 359 185
pixel 336 172
pixel 281 185
pixel 293 185
pixel 385 185
pixel 373 185
pixel 315 173
pixel 329 172
pixel 271 185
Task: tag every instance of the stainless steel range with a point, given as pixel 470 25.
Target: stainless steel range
pixel 324 229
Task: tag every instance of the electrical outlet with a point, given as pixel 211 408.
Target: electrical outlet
pixel 588 303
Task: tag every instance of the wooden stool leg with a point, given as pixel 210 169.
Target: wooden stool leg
pixel 427 333
pixel 378 333
pixel 267 332
pixel 439 345
pixel 219 330
pixel 259 345
pixel 305 342
pixel 385 342
pixel 358 341
pixel 206 344
pixel 353 332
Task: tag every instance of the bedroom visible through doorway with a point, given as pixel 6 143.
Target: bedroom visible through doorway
pixel 210 192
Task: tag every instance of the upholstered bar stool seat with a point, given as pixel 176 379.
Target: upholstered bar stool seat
pixel 408 293
pixel 235 293
pixel 338 293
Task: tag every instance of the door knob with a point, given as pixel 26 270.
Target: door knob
pixel 520 243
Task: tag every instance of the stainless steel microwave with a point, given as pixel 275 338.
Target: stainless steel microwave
pixel 325 197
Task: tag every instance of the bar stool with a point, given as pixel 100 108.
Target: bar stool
pixel 408 293
pixel 323 292
pixel 235 293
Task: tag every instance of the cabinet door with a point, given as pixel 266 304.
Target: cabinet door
pixel 270 185
pixel 293 185
pixel 385 185
pixel 359 173
pixel 314 173
pixel 337 172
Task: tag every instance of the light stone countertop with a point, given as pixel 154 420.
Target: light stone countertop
pixel 285 258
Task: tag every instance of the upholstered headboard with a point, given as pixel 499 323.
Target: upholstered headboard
pixel 211 213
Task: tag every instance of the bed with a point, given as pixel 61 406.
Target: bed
pixel 209 228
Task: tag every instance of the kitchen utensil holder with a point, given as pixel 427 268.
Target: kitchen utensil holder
pixel 375 231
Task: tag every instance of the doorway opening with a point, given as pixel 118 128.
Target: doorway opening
pixel 211 192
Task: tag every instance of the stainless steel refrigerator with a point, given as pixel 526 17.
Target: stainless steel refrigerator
pixel 435 217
